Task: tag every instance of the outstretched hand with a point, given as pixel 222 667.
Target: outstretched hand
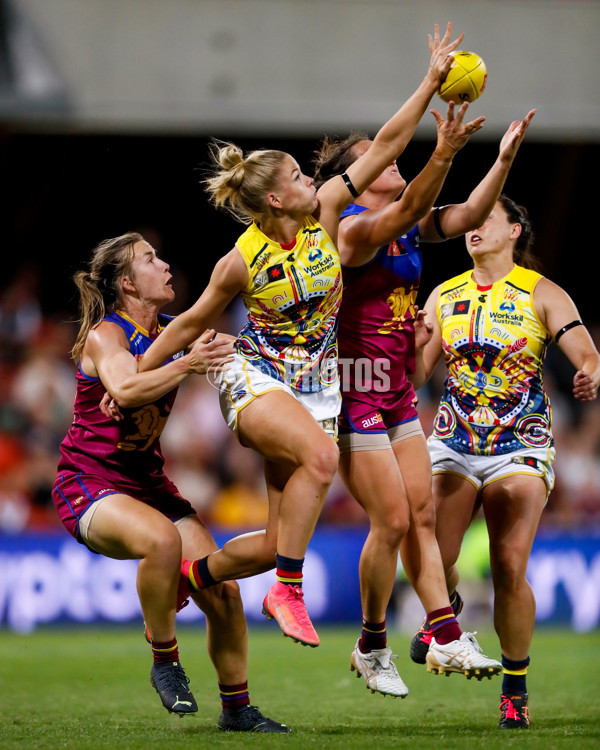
pixel 512 139
pixel 440 49
pixel 453 132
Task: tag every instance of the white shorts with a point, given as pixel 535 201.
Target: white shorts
pixel 240 383
pixel 483 470
pixel 351 442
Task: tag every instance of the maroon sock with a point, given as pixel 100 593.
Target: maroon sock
pixel 234 696
pixel 372 636
pixel 165 652
pixel 444 625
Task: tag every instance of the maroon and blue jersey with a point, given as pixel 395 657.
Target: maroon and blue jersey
pixel 376 334
pixel 100 456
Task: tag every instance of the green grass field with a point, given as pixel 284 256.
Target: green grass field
pixel 89 688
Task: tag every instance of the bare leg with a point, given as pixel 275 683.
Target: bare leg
pixel 300 463
pixel 294 439
pixel 512 509
pixel 421 556
pixel 373 478
pixel 226 630
pixel 124 528
pixel 455 501
pixel 253 553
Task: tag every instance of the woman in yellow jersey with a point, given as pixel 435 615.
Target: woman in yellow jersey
pixel 281 394
pixel 492 442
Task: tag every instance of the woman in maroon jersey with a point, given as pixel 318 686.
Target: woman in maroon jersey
pixel 111 491
pixel 384 459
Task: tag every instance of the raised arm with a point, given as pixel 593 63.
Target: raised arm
pixel 361 235
pixel 228 278
pixel 393 137
pixel 459 218
pixel 557 311
pixel 428 341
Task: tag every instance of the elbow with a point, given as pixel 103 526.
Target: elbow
pixel 127 397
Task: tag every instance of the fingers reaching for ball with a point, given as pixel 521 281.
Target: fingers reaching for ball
pixel 512 139
pixel 453 132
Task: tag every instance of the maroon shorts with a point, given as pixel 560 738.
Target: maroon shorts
pixel 73 494
pixel 373 413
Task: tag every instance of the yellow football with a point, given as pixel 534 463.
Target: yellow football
pixel 466 78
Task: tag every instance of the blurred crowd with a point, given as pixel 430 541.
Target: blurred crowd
pixel 222 479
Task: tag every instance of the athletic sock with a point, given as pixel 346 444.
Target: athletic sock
pixel 234 696
pixel 372 636
pixel 444 625
pixel 289 570
pixel 165 652
pixel 515 676
pixel 199 575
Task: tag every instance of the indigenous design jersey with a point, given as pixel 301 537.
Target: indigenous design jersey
pixel 494 344
pixel 293 297
pixel 376 319
pixel 126 453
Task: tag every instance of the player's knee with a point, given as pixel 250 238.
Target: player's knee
pixel 397 530
pixel 323 460
pixel 162 541
pixel 423 515
pixel 229 598
pixel 391 529
pixel 221 603
pixel 229 590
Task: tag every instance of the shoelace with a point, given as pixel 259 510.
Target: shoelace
pixel 248 716
pixel 385 658
pixel 295 595
pixel 508 706
pixel 173 678
pixel 469 638
pixel 251 713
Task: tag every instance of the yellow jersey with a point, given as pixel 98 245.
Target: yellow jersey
pixel 293 297
pixel 494 345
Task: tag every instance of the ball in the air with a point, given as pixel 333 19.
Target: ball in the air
pixel 466 78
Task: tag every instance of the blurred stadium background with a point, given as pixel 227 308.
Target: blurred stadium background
pixel 106 108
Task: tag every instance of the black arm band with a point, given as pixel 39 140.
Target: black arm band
pixel 436 221
pixel 566 328
pixel 350 186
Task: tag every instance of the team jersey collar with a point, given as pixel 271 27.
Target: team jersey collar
pixel 285 246
pixel 137 326
pixel 487 287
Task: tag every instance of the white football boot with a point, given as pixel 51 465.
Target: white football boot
pixel 379 671
pixel 464 656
